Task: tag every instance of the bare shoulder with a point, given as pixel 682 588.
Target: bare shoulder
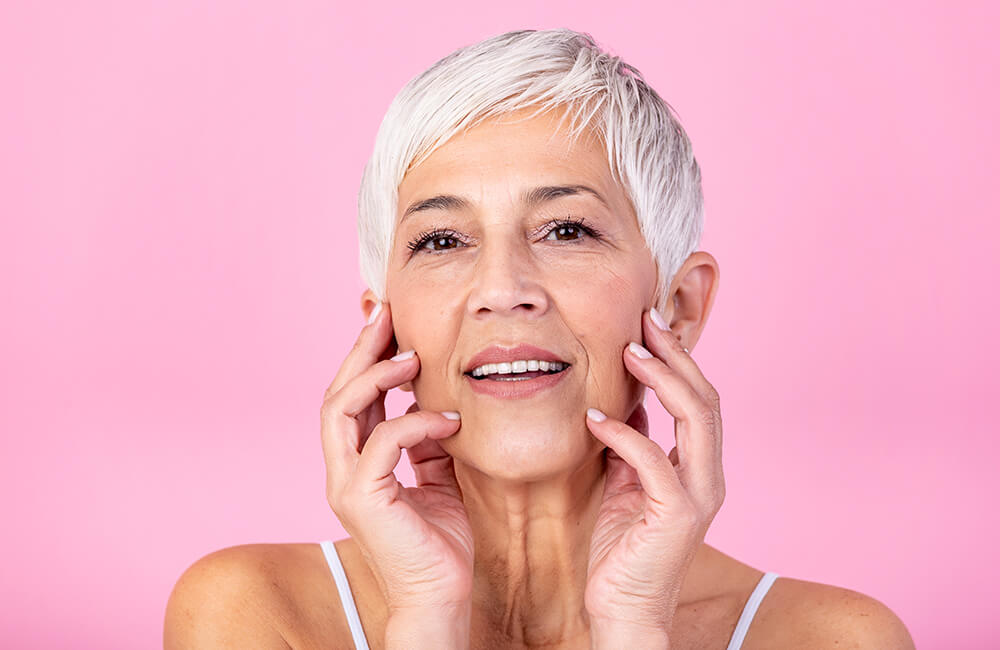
pixel 254 596
pixel 802 614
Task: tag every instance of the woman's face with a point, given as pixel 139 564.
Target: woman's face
pixel 492 266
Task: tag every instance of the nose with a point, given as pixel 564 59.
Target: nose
pixel 506 281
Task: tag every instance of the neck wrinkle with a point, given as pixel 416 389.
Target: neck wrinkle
pixel 532 546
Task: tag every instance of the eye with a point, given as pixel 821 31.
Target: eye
pixel 435 241
pixel 569 230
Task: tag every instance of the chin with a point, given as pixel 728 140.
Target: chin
pixel 522 453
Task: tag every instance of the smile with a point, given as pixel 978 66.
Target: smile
pixel 516 385
pixel 518 370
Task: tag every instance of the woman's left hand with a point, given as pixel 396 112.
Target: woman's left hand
pixel 656 507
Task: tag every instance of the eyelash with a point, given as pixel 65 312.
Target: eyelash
pixel 417 243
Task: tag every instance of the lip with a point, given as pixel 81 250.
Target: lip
pixel 497 354
pixel 515 389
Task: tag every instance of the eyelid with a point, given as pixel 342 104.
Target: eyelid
pixel 418 243
pixel 578 222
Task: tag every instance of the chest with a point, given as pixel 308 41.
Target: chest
pixel 696 627
pixel 707 624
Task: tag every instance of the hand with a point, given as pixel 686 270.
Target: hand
pixel 418 541
pixel 656 507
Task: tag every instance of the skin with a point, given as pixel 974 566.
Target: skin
pixel 531 471
pixel 522 530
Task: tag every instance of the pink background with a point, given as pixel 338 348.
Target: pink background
pixel 180 283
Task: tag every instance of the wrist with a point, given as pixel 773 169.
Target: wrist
pixel 445 627
pixel 620 634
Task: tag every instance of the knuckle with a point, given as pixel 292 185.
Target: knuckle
pixel 652 456
pixel 329 407
pixel 688 516
pixel 706 416
pixel 331 410
pixel 335 497
pixel 711 393
pixel 720 497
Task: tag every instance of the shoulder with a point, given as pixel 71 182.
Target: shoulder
pixel 248 596
pixel 803 614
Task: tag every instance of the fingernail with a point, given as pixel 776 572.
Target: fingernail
pixel 658 319
pixel 451 415
pixel 639 351
pixel 596 415
pixel 375 312
pixel 403 356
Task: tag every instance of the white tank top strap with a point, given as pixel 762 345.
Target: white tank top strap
pixel 346 597
pixel 750 609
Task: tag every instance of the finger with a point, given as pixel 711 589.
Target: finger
pixel 695 427
pixel 664 344
pixel 650 462
pixel 340 431
pixel 432 465
pixel 385 446
pixel 620 477
pixel 359 393
pixel 639 421
pixel 372 344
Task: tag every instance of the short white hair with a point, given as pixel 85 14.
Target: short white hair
pixel 648 151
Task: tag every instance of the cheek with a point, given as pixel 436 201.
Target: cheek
pixel 612 318
pixel 424 320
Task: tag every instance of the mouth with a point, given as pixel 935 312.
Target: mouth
pixel 515 372
pixel 519 370
pixel 520 363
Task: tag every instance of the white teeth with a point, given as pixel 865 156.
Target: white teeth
pixel 517 367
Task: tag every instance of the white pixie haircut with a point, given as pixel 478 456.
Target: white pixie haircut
pixel 648 152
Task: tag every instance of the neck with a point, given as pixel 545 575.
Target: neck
pixel 532 546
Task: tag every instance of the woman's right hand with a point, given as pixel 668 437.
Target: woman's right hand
pixel 417 540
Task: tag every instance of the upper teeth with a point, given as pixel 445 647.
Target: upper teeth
pixel 517 366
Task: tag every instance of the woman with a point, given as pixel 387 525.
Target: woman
pixel 528 223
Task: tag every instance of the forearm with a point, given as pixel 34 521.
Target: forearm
pixel 440 628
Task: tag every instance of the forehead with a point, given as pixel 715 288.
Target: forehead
pixel 499 158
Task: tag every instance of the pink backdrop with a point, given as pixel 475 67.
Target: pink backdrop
pixel 180 283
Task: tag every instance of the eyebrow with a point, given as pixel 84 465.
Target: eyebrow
pixel 530 198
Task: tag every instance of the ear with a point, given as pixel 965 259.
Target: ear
pixel 368 302
pixel 691 296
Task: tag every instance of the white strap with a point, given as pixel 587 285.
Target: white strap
pixel 346 598
pixel 750 609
